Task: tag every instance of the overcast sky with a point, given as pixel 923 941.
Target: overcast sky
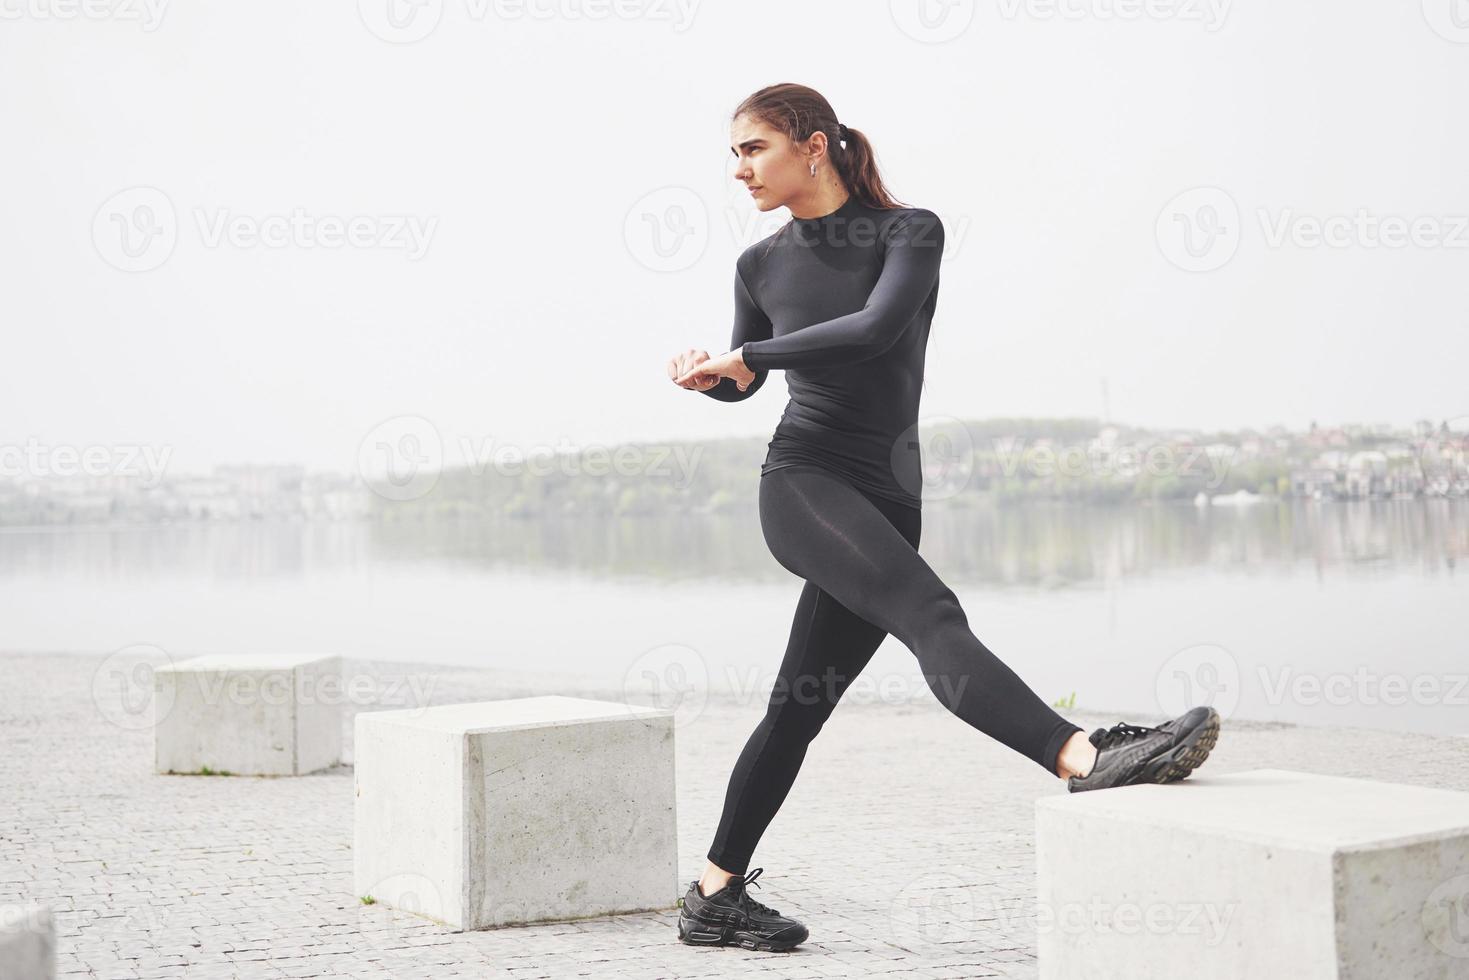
pixel 255 232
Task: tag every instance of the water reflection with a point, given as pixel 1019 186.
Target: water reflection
pixel 1048 545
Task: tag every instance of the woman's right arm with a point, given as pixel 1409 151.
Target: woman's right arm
pixel 749 324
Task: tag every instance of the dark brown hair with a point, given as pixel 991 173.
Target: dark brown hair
pixel 799 111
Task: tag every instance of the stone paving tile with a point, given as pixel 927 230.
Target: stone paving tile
pixel 906 845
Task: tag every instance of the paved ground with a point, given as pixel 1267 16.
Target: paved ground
pixel 905 846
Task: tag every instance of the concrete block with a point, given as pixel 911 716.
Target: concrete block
pixel 27 943
pixel 525 810
pixel 1266 873
pixel 276 714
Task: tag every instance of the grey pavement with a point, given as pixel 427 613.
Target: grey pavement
pixel 906 845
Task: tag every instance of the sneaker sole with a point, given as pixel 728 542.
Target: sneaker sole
pixel 1186 756
pixel 696 935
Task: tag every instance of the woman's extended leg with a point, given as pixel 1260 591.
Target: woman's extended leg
pixel 823 529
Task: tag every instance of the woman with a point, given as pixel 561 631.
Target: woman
pixel 841 299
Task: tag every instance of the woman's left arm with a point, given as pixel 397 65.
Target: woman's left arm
pixel 750 324
pixel 909 271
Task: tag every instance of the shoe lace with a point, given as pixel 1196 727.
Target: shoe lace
pixel 750 903
pixel 1105 738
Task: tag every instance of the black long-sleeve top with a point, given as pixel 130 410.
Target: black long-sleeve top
pixel 843 303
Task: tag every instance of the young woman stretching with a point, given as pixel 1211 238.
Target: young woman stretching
pixel 841 299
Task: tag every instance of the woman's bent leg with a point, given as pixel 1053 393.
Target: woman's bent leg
pixel 823 529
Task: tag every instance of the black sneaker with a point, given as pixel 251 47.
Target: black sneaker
pixel 1128 754
pixel 730 915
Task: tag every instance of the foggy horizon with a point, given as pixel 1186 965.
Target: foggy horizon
pixel 1209 225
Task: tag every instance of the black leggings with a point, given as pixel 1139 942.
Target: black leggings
pixel 864 579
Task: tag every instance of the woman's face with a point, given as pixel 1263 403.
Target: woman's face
pixel 766 161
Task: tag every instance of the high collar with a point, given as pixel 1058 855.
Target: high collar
pixel 850 207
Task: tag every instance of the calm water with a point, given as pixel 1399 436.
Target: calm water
pixel 1320 613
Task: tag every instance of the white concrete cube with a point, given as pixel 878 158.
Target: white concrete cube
pixel 27 943
pixel 1266 873
pixel 277 714
pixel 508 812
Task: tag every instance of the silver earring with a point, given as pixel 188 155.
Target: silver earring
pixel 813 170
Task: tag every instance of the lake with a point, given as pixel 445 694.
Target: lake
pixel 1348 613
